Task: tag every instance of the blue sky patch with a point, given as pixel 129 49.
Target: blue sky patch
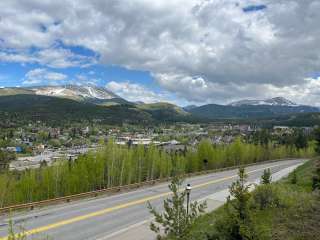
pixel 254 8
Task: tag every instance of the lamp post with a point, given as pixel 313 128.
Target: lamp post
pixel 188 190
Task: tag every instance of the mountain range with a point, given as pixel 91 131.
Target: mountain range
pixel 245 109
pixel 101 103
pixel 214 111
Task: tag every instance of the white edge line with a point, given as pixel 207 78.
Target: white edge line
pixel 124 229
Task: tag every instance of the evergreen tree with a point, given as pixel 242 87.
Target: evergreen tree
pixel 317 139
pixel 266 177
pixel 238 208
pixel 175 220
pixel 301 140
pixel 240 191
pixel 5 158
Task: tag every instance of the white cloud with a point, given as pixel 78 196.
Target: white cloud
pixel 203 50
pixel 54 57
pixel 43 76
pixel 136 92
pixel 308 92
pixel 197 89
pixel 85 79
pixel 63 58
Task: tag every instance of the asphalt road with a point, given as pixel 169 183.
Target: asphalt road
pixel 97 218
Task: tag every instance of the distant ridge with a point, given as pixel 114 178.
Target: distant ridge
pixel 246 109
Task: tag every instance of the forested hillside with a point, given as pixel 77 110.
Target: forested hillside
pixel 49 109
pixel 53 109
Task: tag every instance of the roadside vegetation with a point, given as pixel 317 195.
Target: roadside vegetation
pixel 286 210
pixel 177 218
pixel 114 165
pixel 18 232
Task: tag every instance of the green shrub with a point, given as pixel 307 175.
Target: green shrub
pixel 15 236
pixel 316 177
pixel 294 178
pixel 265 196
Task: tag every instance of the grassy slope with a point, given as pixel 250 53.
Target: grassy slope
pixel 14 91
pixel 163 106
pixel 298 217
pixel 166 112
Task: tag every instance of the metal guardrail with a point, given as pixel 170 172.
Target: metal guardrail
pixel 117 189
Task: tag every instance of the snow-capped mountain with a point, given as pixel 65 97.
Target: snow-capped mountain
pixel 277 101
pixel 80 92
pixel 85 93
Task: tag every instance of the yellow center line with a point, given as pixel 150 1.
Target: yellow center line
pixel 125 205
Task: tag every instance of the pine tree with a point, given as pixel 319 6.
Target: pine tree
pixel 175 221
pixel 238 209
pixel 317 139
pixel 301 140
pixel 266 177
pixel 240 191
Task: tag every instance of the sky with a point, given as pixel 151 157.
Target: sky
pixel 180 51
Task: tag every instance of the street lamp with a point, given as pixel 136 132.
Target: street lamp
pixel 188 190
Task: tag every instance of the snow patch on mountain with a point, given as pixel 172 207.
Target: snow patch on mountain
pixel 74 91
pixel 49 91
pixel 277 101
